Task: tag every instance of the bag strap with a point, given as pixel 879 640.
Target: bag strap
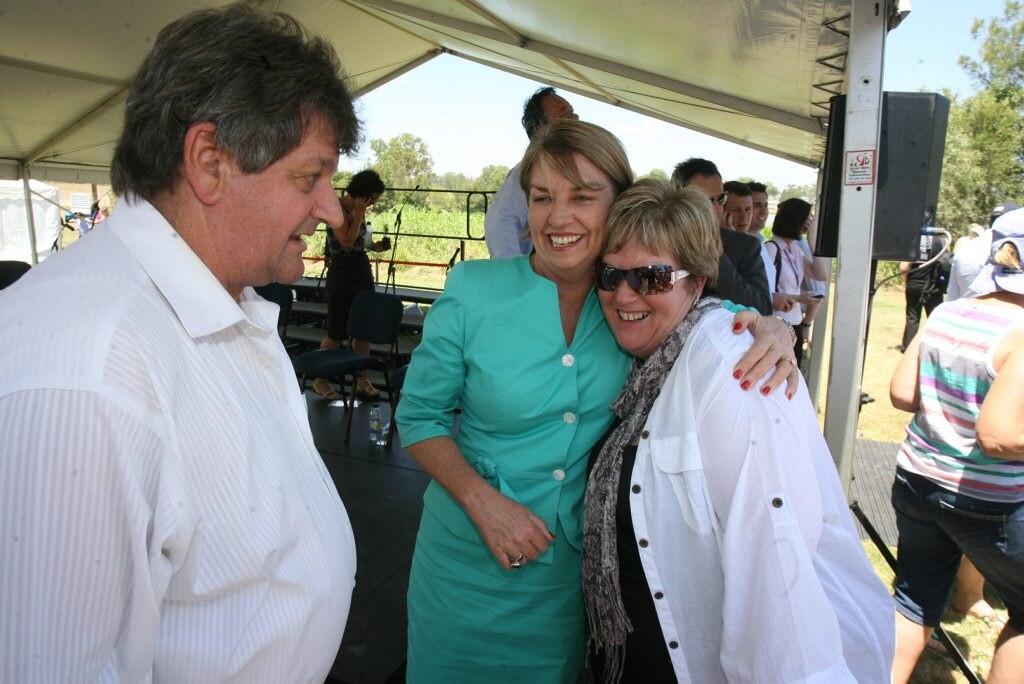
pixel 778 262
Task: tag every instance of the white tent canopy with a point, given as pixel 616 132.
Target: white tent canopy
pixel 757 72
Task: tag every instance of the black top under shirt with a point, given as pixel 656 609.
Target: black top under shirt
pixel 647 659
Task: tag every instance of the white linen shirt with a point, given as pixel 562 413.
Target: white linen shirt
pixel 967 263
pixel 745 537
pixel 505 225
pixel 164 513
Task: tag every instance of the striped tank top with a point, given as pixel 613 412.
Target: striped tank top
pixel 954 375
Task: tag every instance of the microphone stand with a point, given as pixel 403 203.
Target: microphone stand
pixel 391 280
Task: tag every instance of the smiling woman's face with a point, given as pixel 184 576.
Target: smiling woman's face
pixel 640 322
pixel 566 221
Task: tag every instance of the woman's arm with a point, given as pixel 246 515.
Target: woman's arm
pixel 434 388
pixel 758 457
pixel 348 233
pixel 903 389
pixel 507 527
pixel 773 342
pixel 1000 426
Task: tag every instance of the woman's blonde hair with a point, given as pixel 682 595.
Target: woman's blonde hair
pixel 664 219
pixel 1007 256
pixel 565 138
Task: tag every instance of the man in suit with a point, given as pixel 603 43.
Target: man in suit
pixel 741 274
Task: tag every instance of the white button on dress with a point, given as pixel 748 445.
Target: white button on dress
pixel 568 360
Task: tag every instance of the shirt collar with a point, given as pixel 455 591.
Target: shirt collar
pixel 194 294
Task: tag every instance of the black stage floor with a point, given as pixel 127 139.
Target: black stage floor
pixel 382 488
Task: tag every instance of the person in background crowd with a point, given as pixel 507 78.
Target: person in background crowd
pixel 717 543
pixel 969 258
pixel 164 513
pixel 741 274
pixel 959 485
pixel 924 287
pixel 793 221
pixel 505 231
pixel 495 591
pixel 739 206
pixel 348 273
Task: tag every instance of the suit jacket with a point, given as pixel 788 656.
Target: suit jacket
pixel 741 274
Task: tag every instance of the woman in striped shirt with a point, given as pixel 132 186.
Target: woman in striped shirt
pixel 960 473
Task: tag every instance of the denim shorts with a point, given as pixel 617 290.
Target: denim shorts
pixel 936 526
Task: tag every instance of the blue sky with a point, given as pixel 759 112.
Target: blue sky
pixel 468 115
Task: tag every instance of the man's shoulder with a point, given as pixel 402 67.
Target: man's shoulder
pixel 59 320
pixel 739 243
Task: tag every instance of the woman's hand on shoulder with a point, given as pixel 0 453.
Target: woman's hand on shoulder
pixel 511 531
pixel 770 355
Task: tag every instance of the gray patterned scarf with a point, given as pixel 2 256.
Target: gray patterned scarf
pixel 609 624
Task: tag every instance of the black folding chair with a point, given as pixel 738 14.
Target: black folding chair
pixel 376 318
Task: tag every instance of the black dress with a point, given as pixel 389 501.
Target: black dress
pixel 348 274
pixel 647 659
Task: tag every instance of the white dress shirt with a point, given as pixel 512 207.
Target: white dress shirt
pixel 164 513
pixel 744 533
pixel 505 229
pixel 967 263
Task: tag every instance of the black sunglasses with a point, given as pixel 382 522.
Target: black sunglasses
pixel 644 280
pixel 719 199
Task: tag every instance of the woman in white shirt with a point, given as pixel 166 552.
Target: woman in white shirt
pixel 793 220
pixel 718 545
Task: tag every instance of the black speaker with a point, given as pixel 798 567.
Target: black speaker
pixel 908 167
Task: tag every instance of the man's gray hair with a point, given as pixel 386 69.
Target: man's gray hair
pixel 257 76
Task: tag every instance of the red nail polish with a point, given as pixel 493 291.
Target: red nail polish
pixel 766 390
pixel 745 384
pixel 736 374
pixel 736 327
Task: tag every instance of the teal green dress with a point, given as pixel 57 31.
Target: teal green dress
pixel 532 408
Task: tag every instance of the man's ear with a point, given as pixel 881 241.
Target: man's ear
pixel 205 165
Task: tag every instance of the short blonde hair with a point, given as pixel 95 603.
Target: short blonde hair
pixel 665 219
pixel 1007 255
pixel 563 139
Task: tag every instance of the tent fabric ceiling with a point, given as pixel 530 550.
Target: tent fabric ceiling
pixel 757 72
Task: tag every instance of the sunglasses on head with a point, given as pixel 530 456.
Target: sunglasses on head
pixel 644 280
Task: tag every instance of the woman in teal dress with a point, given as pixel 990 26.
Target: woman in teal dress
pixel 522 347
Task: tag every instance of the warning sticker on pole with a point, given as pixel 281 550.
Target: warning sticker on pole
pixel 860 167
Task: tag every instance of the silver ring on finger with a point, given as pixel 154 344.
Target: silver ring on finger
pixel 517 562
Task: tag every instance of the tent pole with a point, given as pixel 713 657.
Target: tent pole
pixel 856 227
pixel 29 214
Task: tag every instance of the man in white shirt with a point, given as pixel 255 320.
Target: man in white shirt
pixel 164 512
pixel 505 230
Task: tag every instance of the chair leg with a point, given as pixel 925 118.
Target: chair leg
pixel 350 405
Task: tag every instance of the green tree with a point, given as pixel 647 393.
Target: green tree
pixel 804 192
pixel 402 162
pixel 340 179
pixel 1000 67
pixel 491 177
pixel 770 188
pixel 445 201
pixel 983 163
pixel 658 173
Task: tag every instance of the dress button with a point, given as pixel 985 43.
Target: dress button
pixel 659 595
pixel 265 362
pixel 673 644
pixel 645 434
pixel 569 417
pixel 643 543
pixel 558 474
pixel 636 489
pixel 777 502
pixel 568 360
